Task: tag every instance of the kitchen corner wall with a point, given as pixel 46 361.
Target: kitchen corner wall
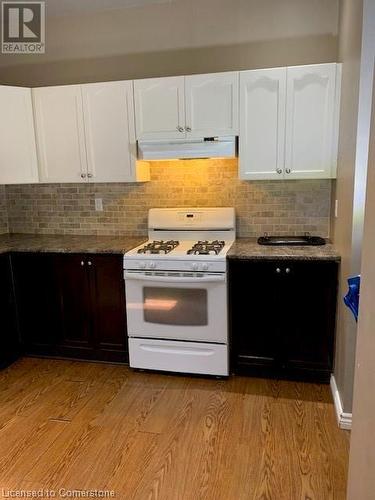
pixel 282 207
pixel 3 211
pixel 356 52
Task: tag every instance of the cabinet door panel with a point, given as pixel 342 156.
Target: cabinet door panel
pixel 310 121
pixel 255 306
pixel 75 299
pixel 159 108
pixel 212 104
pixel 262 123
pixel 9 343
pixel 18 160
pixel 60 134
pixel 109 130
pixel 108 307
pixel 37 302
pixel 310 293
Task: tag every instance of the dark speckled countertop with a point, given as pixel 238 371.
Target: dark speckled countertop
pixel 68 243
pixel 248 248
pixel 243 248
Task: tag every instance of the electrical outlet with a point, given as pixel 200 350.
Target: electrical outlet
pixel 336 208
pixel 99 204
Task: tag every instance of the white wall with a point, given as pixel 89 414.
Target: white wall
pixel 179 37
pixel 363 130
pixel 361 483
pixel 356 52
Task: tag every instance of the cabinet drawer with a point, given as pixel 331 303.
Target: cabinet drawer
pixel 183 357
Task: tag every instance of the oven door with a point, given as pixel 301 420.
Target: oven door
pixel 177 305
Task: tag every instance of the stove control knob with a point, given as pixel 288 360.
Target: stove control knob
pixel 204 267
pixel 142 265
pixel 152 265
pixel 194 266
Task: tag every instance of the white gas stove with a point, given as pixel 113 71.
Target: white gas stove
pixel 176 291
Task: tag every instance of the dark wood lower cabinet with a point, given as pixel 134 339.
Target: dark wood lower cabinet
pixel 9 342
pixel 282 318
pixel 72 305
pixel 37 300
pixel 74 292
pixel 282 313
pixel 109 310
pixel 93 311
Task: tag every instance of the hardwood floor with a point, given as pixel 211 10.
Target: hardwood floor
pixel 87 426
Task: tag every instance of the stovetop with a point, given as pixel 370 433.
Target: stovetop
pixel 200 247
pixel 179 258
pixel 196 239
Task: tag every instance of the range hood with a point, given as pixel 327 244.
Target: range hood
pixel 207 147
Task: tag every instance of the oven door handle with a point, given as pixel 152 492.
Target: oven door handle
pixel 220 278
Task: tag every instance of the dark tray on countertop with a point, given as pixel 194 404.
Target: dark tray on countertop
pixel 291 240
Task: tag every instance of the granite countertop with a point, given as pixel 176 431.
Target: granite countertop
pixel 68 243
pixel 243 248
pixel 248 248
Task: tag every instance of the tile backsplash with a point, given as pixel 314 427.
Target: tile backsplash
pixel 282 207
pixel 3 211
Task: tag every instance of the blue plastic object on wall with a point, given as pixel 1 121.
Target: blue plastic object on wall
pixel 352 297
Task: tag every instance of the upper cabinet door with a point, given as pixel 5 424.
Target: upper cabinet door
pixel 60 134
pixel 18 160
pixel 262 123
pixel 160 108
pixel 109 130
pixel 212 104
pixel 310 123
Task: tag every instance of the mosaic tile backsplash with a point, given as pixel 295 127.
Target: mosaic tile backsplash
pixel 280 207
pixel 3 211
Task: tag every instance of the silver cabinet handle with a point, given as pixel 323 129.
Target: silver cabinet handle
pixel 188 129
pixel 83 176
pixel 288 171
pixel 180 129
pixel 89 263
pixel 287 270
pixel 82 263
pixel 90 176
pixel 278 270
pixel 279 171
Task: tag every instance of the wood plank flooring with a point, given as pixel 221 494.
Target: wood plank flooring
pixel 88 426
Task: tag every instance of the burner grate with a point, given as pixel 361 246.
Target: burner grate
pixel 206 248
pixel 158 247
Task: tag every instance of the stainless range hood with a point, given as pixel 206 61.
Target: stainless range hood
pixel 208 147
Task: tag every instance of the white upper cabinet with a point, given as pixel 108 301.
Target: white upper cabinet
pixel 60 134
pixel 289 122
pixel 18 160
pixel 262 123
pixel 211 103
pixel 186 107
pixel 160 108
pixel 85 133
pixel 109 129
pixel 310 121
pixel 286 119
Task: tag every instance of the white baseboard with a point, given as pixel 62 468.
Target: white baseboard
pixel 344 420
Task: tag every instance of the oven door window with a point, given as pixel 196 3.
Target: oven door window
pixel 175 306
